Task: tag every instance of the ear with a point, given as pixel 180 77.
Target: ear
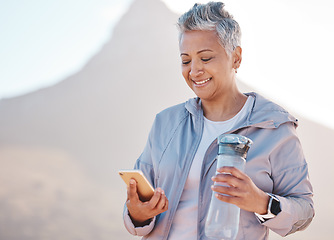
pixel 237 57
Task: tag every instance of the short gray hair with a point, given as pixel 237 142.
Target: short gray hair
pixel 212 16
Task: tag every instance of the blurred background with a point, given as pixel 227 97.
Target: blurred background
pixel 81 82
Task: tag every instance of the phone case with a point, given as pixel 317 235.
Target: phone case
pixel 144 188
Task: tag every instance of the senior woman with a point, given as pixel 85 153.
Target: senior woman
pixel 179 157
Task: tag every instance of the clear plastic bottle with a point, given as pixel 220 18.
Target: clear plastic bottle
pixel 223 218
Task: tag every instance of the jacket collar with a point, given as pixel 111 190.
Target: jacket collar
pixel 264 113
pixel 194 106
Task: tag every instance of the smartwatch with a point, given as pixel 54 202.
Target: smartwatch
pixel 274 208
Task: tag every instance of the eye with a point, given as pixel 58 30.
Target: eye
pixel 185 62
pixel 206 59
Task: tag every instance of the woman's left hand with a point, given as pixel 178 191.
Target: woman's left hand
pixel 241 190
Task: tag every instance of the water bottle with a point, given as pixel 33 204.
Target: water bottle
pixel 223 218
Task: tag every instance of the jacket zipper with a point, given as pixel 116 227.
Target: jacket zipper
pixel 171 216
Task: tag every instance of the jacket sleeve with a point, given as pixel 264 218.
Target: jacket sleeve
pixel 291 185
pixel 144 163
pixel 137 231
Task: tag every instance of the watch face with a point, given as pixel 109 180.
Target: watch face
pixel 275 206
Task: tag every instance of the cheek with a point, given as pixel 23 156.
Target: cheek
pixel 185 72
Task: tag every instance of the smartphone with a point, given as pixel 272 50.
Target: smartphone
pixel 144 188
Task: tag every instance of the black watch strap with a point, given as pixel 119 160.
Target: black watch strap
pixel 275 206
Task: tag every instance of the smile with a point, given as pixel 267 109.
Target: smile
pixel 202 82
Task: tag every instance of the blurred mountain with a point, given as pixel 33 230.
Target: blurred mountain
pixel 61 147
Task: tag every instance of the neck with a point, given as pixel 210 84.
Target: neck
pixel 224 108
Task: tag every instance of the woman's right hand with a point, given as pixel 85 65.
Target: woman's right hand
pixel 142 212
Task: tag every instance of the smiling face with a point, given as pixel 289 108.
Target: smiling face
pixel 206 67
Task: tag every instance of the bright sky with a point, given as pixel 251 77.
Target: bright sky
pixel 44 41
pixel 287 46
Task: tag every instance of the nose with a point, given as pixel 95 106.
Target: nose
pixel 196 69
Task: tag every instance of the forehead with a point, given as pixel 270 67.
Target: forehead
pixel 193 41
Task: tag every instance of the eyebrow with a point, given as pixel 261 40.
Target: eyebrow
pixel 204 50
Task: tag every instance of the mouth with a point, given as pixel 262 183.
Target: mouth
pixel 202 82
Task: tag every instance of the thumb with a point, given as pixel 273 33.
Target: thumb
pixel 132 191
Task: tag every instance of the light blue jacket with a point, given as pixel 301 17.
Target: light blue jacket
pixel 275 163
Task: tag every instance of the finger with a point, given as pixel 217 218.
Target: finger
pixel 155 199
pixel 161 204
pixel 227 198
pixel 232 170
pixel 132 191
pixel 166 205
pixel 231 191
pixel 227 178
